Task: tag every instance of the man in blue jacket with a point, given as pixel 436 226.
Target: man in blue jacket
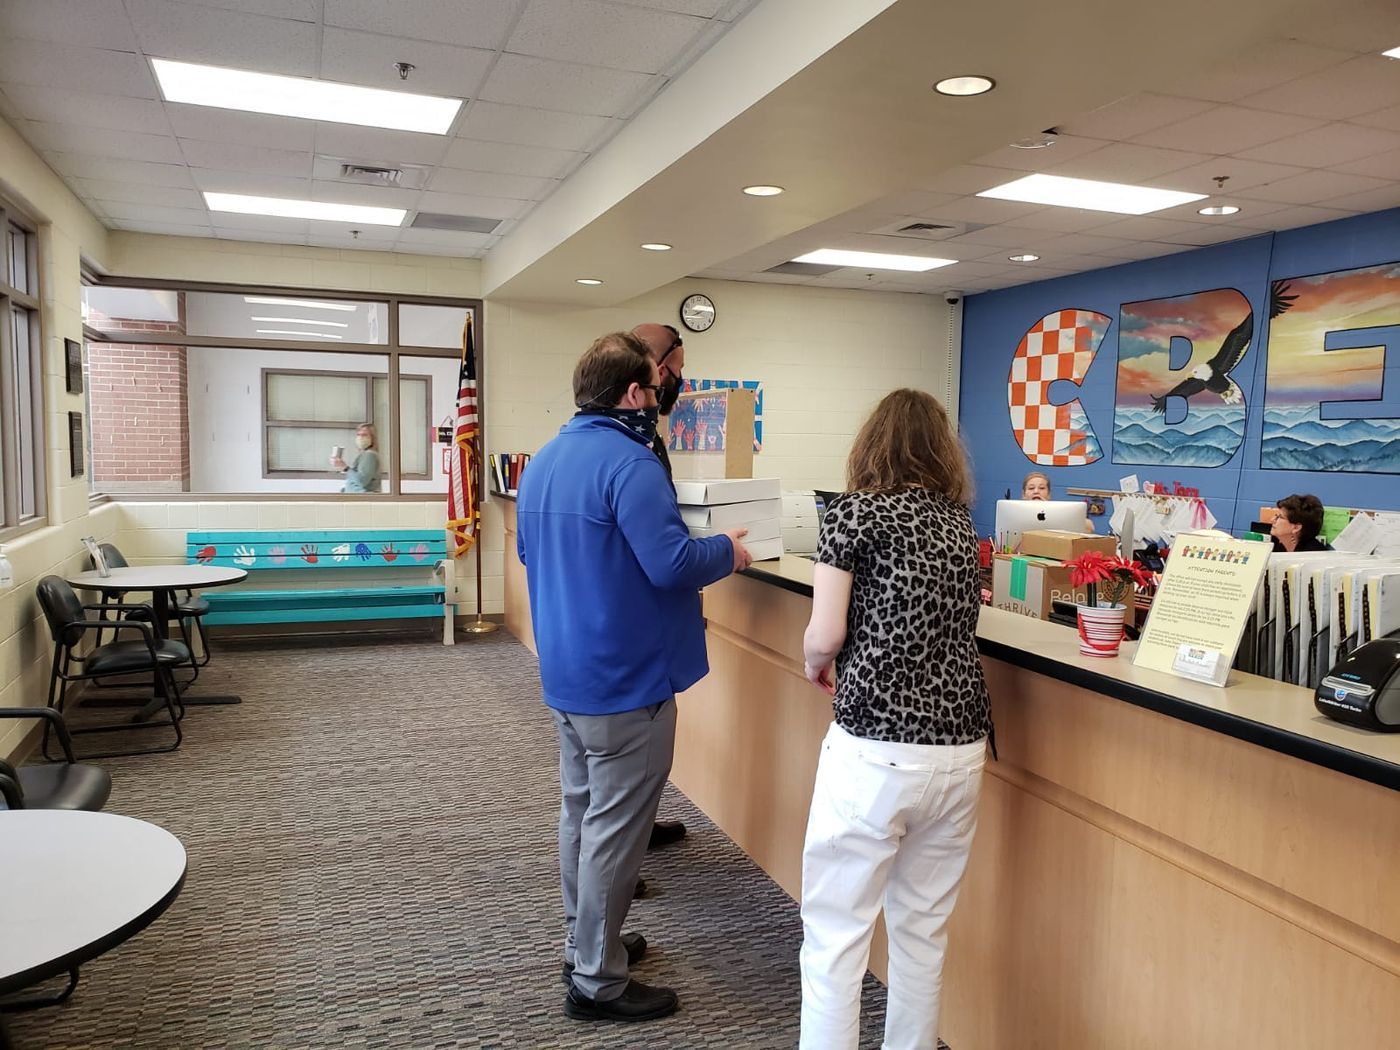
pixel 613 578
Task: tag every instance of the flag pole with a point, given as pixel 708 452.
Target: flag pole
pixel 481 625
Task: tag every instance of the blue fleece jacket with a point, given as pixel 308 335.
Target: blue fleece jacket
pixel 613 575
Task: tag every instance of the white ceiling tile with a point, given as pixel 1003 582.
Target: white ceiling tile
pixel 983 209
pixel 466 204
pixel 343 235
pixel 165 228
pixel 81 165
pixel 249 129
pixel 603 34
pixel 78 23
pixel 354 57
pixel 1253 69
pixel 701 8
pixel 1130 250
pixel 1388 118
pixel 1328 146
pixel 252 183
pixel 1066 147
pixel 1292 218
pixel 545 84
pixel 448 251
pixel 378 145
pixel 1066 220
pixel 89 110
pixel 447 238
pixel 913 202
pixel 492 184
pixel 356 193
pixel 469 23
pixel 106 191
pixel 1241 175
pixel 302 10
pixel 236 156
pixel 1249 215
pixel 1087 243
pixel 1347 90
pixel 121 210
pixel 510 159
pixel 1203 235
pixel 1134 115
pixel 1381 166
pixel 1146 228
pixel 227 220
pixel 967 179
pixel 260 236
pixel 1227 130
pixel 87 69
pixel 1004 237
pixel 1315 187
pixel 1369 200
pixel 193 33
pixel 1364 24
pixel 99 142
pixel 1127 162
pixel 493 122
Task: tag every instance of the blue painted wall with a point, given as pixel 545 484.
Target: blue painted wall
pixel 995 322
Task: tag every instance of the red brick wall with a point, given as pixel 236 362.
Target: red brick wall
pixel 138 404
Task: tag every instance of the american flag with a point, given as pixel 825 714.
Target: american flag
pixel 463 514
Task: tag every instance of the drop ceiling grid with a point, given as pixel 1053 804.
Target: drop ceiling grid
pixel 76 82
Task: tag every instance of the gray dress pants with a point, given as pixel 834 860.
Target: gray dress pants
pixel 611 772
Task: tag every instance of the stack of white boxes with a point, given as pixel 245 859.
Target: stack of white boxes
pixel 801 524
pixel 713 506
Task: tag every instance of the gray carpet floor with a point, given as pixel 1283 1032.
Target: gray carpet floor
pixel 372 863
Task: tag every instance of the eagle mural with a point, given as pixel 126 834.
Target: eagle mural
pixel 1214 375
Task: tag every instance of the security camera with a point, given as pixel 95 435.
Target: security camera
pixel 952 298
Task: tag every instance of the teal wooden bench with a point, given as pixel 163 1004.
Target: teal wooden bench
pixel 340 551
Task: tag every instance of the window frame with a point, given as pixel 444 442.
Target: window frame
pixel 269 424
pixel 19 450
pixel 391 349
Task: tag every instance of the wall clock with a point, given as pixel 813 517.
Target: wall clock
pixel 697 312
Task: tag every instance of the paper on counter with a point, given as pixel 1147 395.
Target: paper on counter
pixel 1360 536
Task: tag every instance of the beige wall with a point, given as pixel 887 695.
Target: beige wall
pixel 67 234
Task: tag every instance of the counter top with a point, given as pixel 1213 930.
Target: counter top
pixel 509 497
pixel 1258 710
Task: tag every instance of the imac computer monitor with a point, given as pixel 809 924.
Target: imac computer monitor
pixel 1023 515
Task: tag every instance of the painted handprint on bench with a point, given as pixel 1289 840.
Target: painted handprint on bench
pixel 363 552
pixel 419 551
pixel 245 555
pixel 308 553
pixel 341 551
pixel 389 552
pixel 277 555
pixel 205 555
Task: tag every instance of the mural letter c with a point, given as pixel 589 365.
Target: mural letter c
pixel 1061 345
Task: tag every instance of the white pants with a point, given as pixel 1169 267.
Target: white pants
pixel 890 824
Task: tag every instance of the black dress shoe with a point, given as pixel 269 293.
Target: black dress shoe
pixel 640 891
pixel 665 832
pixel 635 944
pixel 638 1002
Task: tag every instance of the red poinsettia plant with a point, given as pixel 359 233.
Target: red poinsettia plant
pixel 1113 576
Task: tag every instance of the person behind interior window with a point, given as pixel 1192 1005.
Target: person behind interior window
pixel 896 596
pixel 361 475
pixel 1297 523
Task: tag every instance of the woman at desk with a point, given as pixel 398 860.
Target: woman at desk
pixel 1036 486
pixel 363 474
pixel 1297 523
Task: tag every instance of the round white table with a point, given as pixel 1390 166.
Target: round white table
pixel 162 581
pixel 76 885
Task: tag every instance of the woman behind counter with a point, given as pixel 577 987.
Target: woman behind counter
pixel 1297 523
pixel 363 474
pixel 896 596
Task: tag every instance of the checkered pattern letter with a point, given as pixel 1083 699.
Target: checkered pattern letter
pixel 1061 345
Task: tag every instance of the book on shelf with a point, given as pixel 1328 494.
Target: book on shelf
pixel 506 468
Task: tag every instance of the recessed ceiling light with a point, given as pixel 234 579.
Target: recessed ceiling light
pixel 1394 52
pixel 312 304
pixel 763 191
pixel 963 86
pixel 587 280
pixel 1063 192
pixel 1035 142
pixel 1220 209
pixel 873 260
pixel 656 246
pixel 301 335
pixel 301 320
pixel 301 97
pixel 1024 258
pixel 297 209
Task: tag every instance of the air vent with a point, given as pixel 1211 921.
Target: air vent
pixel 426 220
pixel 921 229
pixel 372 174
pixel 924 227
pixel 798 269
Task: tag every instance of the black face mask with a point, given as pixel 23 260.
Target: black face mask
pixel 670 394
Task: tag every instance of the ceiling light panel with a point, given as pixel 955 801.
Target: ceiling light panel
pixel 1063 192
pixel 306 304
pixel 301 320
pixel 303 209
pixel 299 335
pixel 873 260
pixel 299 97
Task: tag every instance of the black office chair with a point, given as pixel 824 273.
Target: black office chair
pixel 59 785
pixel 187 609
pixel 69 621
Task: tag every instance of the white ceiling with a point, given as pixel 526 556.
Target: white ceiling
pixel 548 82
pixel 1301 112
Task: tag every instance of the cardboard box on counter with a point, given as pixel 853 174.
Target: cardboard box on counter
pixel 1063 544
pixel 1029 585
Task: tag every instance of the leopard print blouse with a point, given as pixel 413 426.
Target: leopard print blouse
pixel 909 671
